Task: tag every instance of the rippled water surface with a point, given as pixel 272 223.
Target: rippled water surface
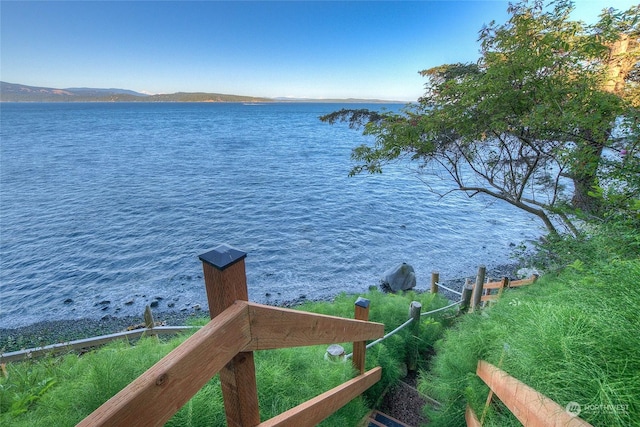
pixel 114 202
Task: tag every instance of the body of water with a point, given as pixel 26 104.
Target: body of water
pixel 104 208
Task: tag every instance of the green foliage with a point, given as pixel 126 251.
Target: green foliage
pixel 61 391
pixel 568 336
pixel 392 310
pixel 289 377
pixel 618 239
pixel 619 177
pixel 76 385
pixel 22 401
pixel 206 408
pixel 529 122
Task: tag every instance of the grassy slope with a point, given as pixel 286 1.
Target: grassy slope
pixel 574 336
pixel 62 391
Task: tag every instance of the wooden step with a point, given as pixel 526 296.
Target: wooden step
pixel 378 419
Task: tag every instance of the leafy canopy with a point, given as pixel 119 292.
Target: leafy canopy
pixel 531 122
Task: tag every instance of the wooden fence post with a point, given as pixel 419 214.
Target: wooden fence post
pixel 360 347
pixel 414 313
pixel 477 289
pixel 225 280
pixel 148 318
pixel 435 278
pixel 467 289
pixel 503 285
pixel 149 323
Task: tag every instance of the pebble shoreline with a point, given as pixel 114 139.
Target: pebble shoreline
pixel 57 331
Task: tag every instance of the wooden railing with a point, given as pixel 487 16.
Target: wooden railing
pixel 531 408
pixel 474 296
pixel 488 288
pixel 226 345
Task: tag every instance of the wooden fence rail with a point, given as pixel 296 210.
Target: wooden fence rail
pixel 480 294
pixel 226 345
pixel 533 409
pixel 488 288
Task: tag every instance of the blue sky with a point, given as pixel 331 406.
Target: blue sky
pixel 327 49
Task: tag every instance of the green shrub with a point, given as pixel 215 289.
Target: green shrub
pixel 81 384
pixel 596 243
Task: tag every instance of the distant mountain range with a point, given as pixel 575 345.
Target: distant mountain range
pixel 11 92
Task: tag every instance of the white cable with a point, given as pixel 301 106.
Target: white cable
pixel 449 289
pixel 440 309
pixel 371 344
pixel 399 328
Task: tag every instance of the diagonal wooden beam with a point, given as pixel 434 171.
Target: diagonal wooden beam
pixel 532 408
pixel 311 412
pixel 471 418
pixel 273 327
pixel 152 398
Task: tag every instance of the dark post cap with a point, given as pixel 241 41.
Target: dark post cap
pixel 362 302
pixel 223 256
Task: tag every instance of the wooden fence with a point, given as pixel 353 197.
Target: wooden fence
pixel 226 345
pixel 487 290
pixel 480 294
pixel 531 408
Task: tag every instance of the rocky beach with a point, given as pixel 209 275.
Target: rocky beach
pixel 57 331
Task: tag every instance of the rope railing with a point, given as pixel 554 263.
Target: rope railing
pixel 404 325
pixel 91 342
pixel 440 309
pixel 440 285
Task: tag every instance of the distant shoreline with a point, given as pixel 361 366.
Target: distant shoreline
pixel 18 93
pixel 144 101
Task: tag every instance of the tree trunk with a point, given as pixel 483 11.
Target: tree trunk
pixel 540 213
pixel 619 64
pixel 585 178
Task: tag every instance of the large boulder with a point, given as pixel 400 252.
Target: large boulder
pixel 399 278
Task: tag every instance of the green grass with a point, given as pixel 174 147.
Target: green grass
pixel 61 391
pixel 573 336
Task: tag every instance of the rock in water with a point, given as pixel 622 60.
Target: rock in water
pixel 399 278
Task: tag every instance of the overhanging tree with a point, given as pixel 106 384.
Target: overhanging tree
pixel 528 123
